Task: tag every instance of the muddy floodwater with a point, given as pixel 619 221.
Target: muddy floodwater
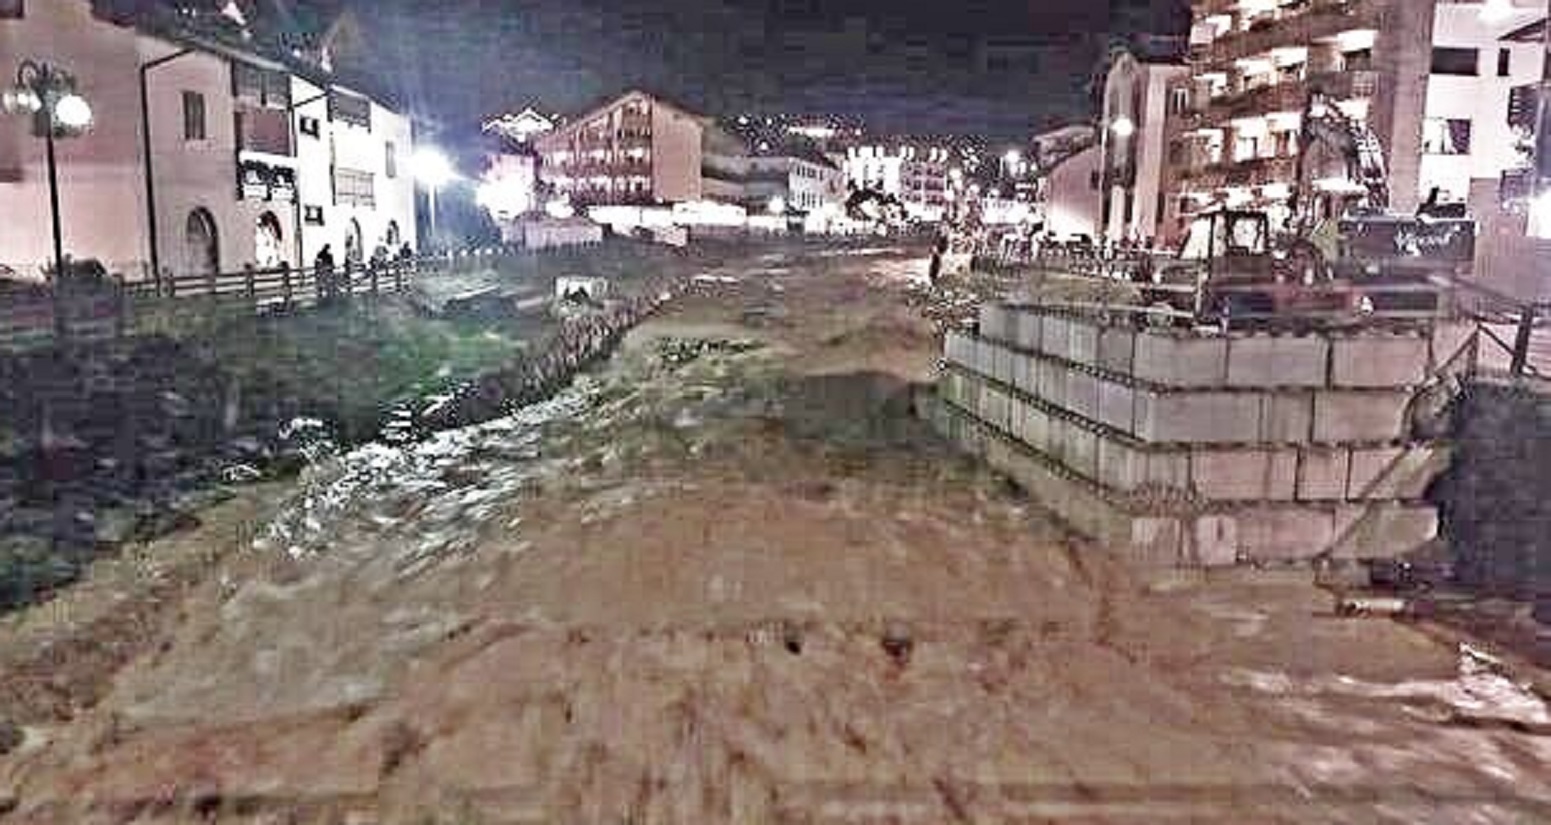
pixel 729 576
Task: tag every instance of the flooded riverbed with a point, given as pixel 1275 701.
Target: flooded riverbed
pixel 728 577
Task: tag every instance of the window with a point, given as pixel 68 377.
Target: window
pixel 390 156
pixel 309 126
pixel 1179 101
pixel 312 215
pixel 1504 62
pixel 1445 136
pixel 12 9
pixel 1455 61
pixel 261 87
pixel 193 116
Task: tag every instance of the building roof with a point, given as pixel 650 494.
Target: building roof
pixel 1532 33
pixel 572 123
pixel 218 34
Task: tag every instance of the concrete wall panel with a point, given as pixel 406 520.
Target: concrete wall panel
pixel 1054 337
pixel 1181 362
pixel 1117 350
pixel 1395 473
pixel 1028 331
pixel 1322 473
pixel 1198 418
pixel 1285 533
pixel 1082 394
pixel 1379 361
pixel 1359 417
pixel 1287 418
pixel 1083 342
pixel 1382 531
pixel 1278 361
pixel 1117 405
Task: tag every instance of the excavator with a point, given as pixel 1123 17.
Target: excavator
pixel 1342 254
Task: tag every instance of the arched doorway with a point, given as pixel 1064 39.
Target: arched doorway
pixel 202 246
pixel 393 239
pixel 355 251
pixel 268 238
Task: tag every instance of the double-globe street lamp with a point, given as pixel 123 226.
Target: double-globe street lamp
pixel 58 111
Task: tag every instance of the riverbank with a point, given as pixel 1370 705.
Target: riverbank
pixel 125 441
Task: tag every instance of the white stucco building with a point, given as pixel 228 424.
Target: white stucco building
pixel 918 176
pixel 1132 146
pixel 235 157
pixel 1467 139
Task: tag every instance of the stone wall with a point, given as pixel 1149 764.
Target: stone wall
pixel 1201 448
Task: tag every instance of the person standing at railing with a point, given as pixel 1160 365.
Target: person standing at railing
pixel 323 273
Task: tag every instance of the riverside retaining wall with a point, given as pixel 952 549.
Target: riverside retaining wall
pixel 1198 448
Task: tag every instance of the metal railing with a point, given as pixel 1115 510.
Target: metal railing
pixel 114 306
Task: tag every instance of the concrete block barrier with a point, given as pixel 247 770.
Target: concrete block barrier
pixel 1050 383
pixel 1028 331
pixel 1382 530
pixel 1082 346
pixel 1082 394
pixel 1379 361
pixel 1121 467
pixel 1117 406
pixel 1278 361
pixel 1323 473
pixel 1198 418
pixel 1285 533
pixel 1054 336
pixel 1357 417
pixel 1287 418
pixel 1213 541
pixel 1395 472
pixel 1117 350
pixel 1181 362
pixel 1244 475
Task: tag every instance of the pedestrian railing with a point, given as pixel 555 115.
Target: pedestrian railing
pixel 32 315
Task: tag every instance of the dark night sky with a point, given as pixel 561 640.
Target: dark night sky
pixel 908 66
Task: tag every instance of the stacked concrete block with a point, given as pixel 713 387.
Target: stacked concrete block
pixel 1380 361
pixel 1278 361
pixel 1205 449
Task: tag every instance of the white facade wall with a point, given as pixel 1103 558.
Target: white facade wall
pixel 1481 99
pixel 1074 203
pixel 1136 93
pixel 342 145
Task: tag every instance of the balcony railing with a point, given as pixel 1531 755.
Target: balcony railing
pixel 264 130
pixel 1292 95
pixel 1246 173
pixel 1301 25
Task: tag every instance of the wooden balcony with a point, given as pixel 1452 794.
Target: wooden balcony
pixel 1291 95
pixel 264 130
pixel 1295 26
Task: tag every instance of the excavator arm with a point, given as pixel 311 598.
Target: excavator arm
pixel 1324 124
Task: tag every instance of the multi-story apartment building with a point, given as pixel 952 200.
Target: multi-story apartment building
pixel 206 152
pixel 803 183
pixel 1233 137
pixel 1478 122
pixel 918 176
pixel 638 149
pixel 1131 143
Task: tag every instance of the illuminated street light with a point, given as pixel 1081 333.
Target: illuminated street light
pixel 433 170
pixel 777 205
pixel 1123 127
pixel 48 94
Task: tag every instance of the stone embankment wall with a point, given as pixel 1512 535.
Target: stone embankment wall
pixel 1197 448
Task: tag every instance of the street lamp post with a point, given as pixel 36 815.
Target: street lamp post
pixel 48 94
